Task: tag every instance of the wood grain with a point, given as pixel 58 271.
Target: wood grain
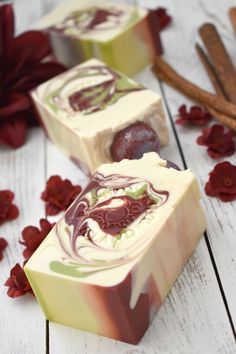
pixel 221 216
pixel 194 318
pixel 22 325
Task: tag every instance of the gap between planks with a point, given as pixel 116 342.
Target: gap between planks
pixel 162 89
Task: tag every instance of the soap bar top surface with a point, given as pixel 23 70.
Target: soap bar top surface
pixel 113 222
pixel 92 97
pixel 95 20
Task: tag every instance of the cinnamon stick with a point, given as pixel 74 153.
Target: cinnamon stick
pixel 232 16
pixel 210 71
pixel 220 59
pixel 222 118
pixel 193 91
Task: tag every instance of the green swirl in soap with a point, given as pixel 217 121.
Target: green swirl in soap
pixel 87 90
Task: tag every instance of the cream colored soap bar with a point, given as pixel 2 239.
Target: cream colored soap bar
pixel 85 108
pixel 119 34
pixel 109 263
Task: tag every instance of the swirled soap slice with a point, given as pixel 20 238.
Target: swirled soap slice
pixel 121 35
pixel 97 115
pixel 109 263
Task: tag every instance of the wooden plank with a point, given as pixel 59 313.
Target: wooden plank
pixel 22 325
pixel 179 50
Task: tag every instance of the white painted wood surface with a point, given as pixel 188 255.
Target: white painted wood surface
pixel 200 312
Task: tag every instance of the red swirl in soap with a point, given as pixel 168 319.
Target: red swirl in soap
pixel 88 90
pixel 91 20
pixel 102 227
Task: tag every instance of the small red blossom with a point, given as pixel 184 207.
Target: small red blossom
pixel 18 283
pixel 163 18
pixel 8 211
pixel 59 194
pixel 32 236
pixel 219 143
pixel 3 245
pixel 196 116
pixel 222 182
pixel 22 68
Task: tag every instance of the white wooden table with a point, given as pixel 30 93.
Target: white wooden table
pixel 199 315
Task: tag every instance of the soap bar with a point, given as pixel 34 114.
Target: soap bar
pixel 125 37
pixel 87 110
pixel 109 263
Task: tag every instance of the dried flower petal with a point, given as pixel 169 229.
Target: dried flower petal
pixel 32 236
pixel 8 211
pixel 222 182
pixel 18 283
pixel 13 131
pixel 3 245
pixel 163 18
pixel 196 116
pixel 59 194
pixel 219 143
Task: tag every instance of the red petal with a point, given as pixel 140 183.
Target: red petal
pixel 208 189
pixel 52 210
pixel 33 46
pixel 6 28
pixel 163 17
pixel 14 102
pixel 29 232
pixel 14 292
pixel 13 212
pixel 227 197
pixel 40 73
pixel 200 140
pixel 13 132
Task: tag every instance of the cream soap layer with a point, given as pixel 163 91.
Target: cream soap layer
pixel 83 108
pixel 119 248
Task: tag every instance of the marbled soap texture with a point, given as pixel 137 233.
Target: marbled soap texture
pixel 111 260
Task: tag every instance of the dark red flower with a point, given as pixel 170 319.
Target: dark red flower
pixel 21 69
pixel 3 245
pixel 222 182
pixel 196 116
pixel 8 211
pixel 219 143
pixel 163 18
pixel 18 283
pixel 13 131
pixel 59 194
pixel 32 236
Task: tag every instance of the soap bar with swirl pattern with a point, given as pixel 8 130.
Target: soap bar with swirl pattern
pixel 111 260
pixel 121 35
pixel 97 115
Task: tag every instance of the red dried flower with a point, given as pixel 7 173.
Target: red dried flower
pixel 59 194
pixel 21 69
pixel 32 236
pixel 219 142
pixel 3 245
pixel 18 283
pixel 163 18
pixel 8 211
pixel 196 116
pixel 222 182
